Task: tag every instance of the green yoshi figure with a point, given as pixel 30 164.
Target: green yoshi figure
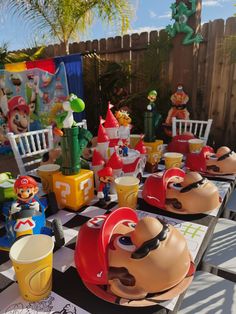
pixel 181 14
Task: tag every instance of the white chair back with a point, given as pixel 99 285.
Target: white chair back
pixel 29 147
pixel 199 128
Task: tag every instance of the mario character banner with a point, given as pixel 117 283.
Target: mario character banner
pixel 27 97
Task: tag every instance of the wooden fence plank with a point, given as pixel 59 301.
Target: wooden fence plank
pixel 215 80
pixel 137 56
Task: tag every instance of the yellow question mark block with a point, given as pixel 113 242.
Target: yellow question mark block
pixel 154 146
pixel 74 191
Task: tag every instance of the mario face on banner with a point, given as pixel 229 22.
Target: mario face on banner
pixel 18 115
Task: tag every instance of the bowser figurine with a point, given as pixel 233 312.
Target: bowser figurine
pixel 105 178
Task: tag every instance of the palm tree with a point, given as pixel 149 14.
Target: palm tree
pixel 7 56
pixel 63 19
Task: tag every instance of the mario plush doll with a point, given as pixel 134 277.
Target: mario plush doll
pixel 25 188
pixel 105 178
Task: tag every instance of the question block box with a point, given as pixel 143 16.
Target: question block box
pixel 74 191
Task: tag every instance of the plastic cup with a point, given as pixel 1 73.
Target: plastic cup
pixel 127 191
pixel 134 139
pixel 32 261
pixel 173 160
pixel 195 145
pixel 45 173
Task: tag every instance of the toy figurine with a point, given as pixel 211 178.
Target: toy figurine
pixel 74 139
pixel 220 163
pixel 26 215
pixel 151 118
pixel 125 124
pixel 179 110
pixel 181 14
pixel 25 188
pixel 125 148
pixel 105 178
pixel 119 256
pixel 180 192
pixel 66 119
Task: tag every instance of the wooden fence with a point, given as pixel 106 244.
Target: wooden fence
pixel 215 86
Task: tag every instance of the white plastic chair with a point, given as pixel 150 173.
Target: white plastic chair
pixel 29 147
pixel 199 128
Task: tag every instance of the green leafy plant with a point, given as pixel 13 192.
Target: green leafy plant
pixel 64 19
pixel 7 56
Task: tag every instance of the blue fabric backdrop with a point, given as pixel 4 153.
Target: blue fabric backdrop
pixel 74 73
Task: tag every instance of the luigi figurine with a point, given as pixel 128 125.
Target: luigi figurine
pixel 151 118
pixel 105 179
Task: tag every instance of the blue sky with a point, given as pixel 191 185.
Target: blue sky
pixel 150 15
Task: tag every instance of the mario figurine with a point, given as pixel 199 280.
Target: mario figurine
pixel 105 178
pixel 25 188
pixel 125 148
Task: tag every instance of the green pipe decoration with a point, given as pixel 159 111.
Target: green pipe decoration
pixel 74 139
pixel 181 14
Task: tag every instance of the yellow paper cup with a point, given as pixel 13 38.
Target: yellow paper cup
pixel 195 145
pixel 127 191
pixel 173 160
pixel 45 173
pixel 32 260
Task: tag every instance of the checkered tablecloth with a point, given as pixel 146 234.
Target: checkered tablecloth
pixel 69 295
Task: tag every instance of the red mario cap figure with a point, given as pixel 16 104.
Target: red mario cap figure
pixel 105 172
pixel 25 182
pixel 25 188
pixel 105 178
pixel 19 103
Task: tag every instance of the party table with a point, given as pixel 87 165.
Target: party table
pixel 69 295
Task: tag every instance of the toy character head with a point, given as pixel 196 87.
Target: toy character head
pixel 105 175
pixel 194 194
pixel 223 161
pixel 123 117
pixel 16 79
pixel 180 192
pixel 133 257
pixel 152 96
pixel 25 188
pixel 18 115
pixel 74 103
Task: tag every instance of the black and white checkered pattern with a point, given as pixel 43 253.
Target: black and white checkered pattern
pixel 68 289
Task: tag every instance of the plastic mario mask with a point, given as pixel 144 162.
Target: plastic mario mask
pixel 133 257
pixel 180 192
pixel 222 162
